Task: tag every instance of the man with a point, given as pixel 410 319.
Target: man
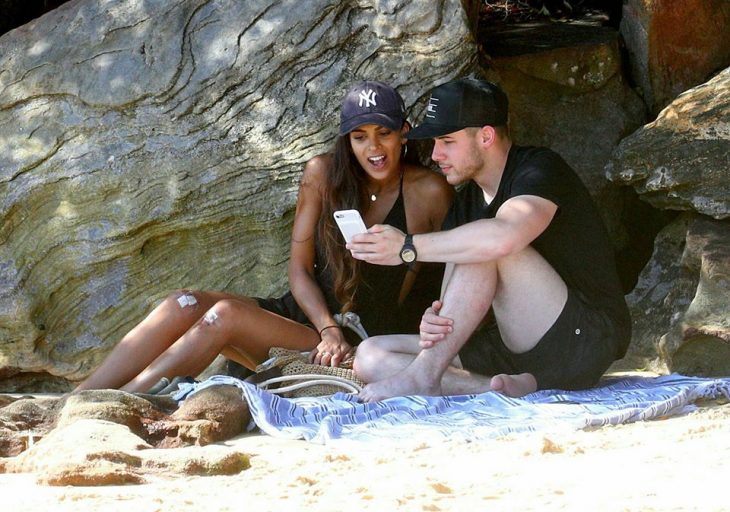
pixel 530 298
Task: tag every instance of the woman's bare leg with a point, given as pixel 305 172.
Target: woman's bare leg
pixel 151 337
pixel 232 325
pixel 168 323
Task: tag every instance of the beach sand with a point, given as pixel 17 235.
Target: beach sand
pixel 679 463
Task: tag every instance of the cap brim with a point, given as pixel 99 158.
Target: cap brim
pixel 371 118
pixel 431 130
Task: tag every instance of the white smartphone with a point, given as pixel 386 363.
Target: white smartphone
pixel 350 223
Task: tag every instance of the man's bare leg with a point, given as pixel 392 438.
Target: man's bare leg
pixel 529 298
pixel 469 292
pixel 381 357
pixel 527 295
pixel 514 386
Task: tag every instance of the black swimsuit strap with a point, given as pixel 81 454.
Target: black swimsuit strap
pixel 397 215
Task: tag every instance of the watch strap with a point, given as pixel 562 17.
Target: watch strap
pixel 408 249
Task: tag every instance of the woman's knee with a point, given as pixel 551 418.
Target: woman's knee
pixel 179 308
pixel 184 301
pixel 225 312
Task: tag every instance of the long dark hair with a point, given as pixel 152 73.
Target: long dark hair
pixel 345 189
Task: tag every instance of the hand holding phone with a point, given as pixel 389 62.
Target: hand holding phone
pixel 350 223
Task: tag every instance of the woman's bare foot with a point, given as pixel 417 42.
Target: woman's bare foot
pixel 514 386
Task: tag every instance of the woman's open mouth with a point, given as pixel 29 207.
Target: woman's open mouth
pixel 377 161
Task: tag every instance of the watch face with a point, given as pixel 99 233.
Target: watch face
pixel 408 255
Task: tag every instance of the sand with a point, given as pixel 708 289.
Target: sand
pixel 680 463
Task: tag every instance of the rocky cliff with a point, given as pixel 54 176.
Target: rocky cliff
pixel 147 146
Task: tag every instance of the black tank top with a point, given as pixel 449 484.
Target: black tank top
pixel 376 298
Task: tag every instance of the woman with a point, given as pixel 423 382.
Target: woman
pixel 368 172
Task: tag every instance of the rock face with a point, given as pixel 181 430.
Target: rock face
pixel 675 45
pixel 559 88
pixel 700 344
pixel 681 160
pixel 680 305
pixel 97 452
pixel 567 92
pixel 107 437
pixel 148 146
pixel 214 414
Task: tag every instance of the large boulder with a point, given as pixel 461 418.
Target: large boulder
pixel 674 46
pixel 147 146
pixel 680 305
pixel 97 452
pixel 215 414
pixel 567 92
pixel 681 160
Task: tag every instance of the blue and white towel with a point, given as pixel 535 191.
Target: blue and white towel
pixel 471 417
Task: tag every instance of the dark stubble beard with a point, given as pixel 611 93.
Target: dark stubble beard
pixel 473 165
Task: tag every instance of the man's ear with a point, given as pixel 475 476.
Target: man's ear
pixel 487 135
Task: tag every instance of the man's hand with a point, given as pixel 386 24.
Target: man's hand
pixel 381 245
pixel 434 328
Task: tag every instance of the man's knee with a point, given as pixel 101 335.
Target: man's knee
pixel 526 264
pixel 367 355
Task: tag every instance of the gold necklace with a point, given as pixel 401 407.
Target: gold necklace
pixel 374 197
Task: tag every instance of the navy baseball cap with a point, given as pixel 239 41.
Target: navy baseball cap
pixel 371 102
pixel 460 104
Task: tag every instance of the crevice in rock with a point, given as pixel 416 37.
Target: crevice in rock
pixel 29 382
pixel 642 223
pixel 20 12
pixel 604 12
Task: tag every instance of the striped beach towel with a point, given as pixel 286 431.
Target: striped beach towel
pixel 471 417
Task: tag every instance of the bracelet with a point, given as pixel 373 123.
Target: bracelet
pixel 328 327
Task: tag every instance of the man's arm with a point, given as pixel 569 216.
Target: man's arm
pixel 518 222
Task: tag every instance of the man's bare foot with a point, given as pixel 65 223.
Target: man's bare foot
pixel 514 386
pixel 400 384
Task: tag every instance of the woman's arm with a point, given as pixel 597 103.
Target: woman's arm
pixel 304 287
pixel 428 197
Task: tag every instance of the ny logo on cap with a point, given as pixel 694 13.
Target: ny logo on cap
pixel 368 97
pixel 431 108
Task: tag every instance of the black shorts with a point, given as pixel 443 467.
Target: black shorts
pixel 573 354
pixel 287 307
pixel 284 306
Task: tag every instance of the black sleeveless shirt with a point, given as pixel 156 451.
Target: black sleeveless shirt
pixel 376 298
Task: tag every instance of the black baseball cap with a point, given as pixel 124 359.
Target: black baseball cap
pixel 371 102
pixel 460 104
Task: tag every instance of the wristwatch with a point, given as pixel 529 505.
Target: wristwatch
pixel 408 252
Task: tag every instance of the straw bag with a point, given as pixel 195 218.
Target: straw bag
pixel 290 374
